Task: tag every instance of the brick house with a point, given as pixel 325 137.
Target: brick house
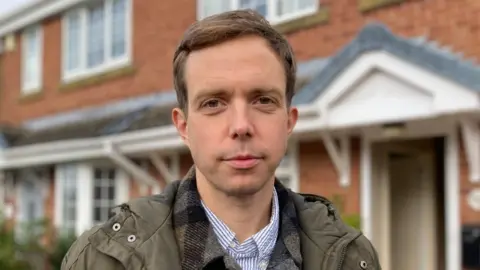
pixel 388 95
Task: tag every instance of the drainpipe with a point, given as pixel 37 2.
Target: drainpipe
pixel 129 166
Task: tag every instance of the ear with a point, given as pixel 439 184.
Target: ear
pixel 292 119
pixel 180 121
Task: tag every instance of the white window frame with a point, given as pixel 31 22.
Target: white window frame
pixel 85 177
pixel 31 87
pixel 109 64
pixel 59 193
pixel 290 169
pixel 271 8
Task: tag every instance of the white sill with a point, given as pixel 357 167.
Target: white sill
pixel 79 75
pixel 30 90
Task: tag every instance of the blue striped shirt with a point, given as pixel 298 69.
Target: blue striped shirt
pixel 254 253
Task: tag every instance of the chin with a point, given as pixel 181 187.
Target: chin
pixel 242 186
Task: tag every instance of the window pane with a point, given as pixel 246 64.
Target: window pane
pixel 97 174
pixel 96 36
pixel 74 41
pixel 118 28
pixel 306 4
pixel 258 5
pixel 97 214
pixel 285 7
pixel 68 176
pixel 97 193
pixel 111 174
pixel 211 7
pixel 31 60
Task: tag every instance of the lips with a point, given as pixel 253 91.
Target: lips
pixel 243 161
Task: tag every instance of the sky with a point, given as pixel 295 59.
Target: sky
pixel 8 5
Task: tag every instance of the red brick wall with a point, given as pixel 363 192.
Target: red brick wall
pixel 319 176
pixel 158 25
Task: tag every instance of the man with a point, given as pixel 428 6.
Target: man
pixel 235 77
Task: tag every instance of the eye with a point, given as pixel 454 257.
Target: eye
pixel 265 100
pixel 212 103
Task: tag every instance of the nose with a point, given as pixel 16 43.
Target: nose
pixel 240 122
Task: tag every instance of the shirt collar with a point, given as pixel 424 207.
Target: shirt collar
pixel 264 239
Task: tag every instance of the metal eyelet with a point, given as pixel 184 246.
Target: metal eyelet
pixel 131 238
pixel 116 227
pixel 363 264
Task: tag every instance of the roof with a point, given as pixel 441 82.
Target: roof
pixel 313 77
pixel 143 118
pixel 419 51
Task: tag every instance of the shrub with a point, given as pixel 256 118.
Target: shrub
pixel 22 250
pixel 352 220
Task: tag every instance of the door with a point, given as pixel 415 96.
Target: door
pixel 407 205
pixel 413 223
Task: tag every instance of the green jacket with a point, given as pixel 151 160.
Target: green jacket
pixel 141 237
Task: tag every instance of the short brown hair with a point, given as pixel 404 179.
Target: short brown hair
pixel 223 27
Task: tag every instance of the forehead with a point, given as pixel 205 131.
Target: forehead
pixel 244 63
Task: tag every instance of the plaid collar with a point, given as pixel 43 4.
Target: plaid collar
pixel 197 240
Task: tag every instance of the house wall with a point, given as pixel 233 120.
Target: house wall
pixel 319 176
pixel 157 28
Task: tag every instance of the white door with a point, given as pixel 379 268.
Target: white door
pixel 405 217
pixel 413 228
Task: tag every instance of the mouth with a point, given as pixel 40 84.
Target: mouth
pixel 243 161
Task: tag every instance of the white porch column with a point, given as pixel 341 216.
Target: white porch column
pixel 452 202
pixel 84 198
pixel 366 188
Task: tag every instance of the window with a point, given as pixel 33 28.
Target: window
pixel 96 38
pixel 31 60
pixel 103 194
pixel 68 185
pixel 276 11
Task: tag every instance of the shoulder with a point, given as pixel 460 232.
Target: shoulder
pixel 140 216
pixel 83 255
pixel 361 255
pixel 317 213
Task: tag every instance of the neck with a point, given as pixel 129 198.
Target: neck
pixel 246 215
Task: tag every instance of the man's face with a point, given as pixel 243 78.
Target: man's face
pixel 238 121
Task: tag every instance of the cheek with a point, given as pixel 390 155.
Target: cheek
pixel 200 134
